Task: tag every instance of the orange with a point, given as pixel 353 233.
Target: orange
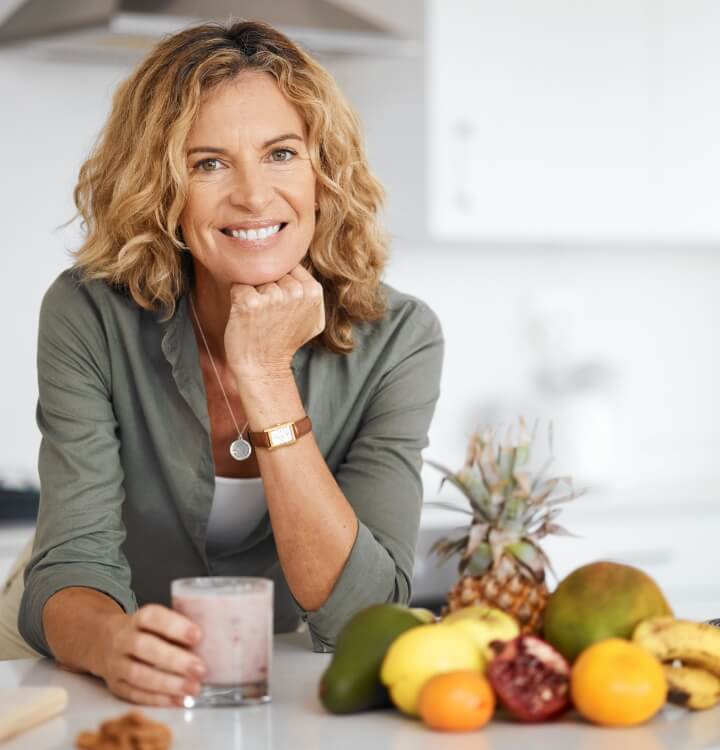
pixel 456 701
pixel 617 683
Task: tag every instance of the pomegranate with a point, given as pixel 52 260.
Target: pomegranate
pixel 531 679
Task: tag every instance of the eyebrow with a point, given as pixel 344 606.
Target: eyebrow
pixel 216 150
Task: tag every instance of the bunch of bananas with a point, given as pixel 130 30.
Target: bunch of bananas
pixel 690 652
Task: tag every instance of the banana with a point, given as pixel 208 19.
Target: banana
pixel 696 644
pixel 692 687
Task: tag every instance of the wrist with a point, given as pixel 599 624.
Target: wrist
pixel 270 401
pixel 102 646
pixel 281 435
pixel 251 376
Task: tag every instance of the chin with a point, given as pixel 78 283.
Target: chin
pixel 259 276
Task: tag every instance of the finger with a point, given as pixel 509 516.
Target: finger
pixel 169 624
pixel 291 287
pixel 301 274
pixel 265 287
pixel 320 327
pixel 313 289
pixel 145 677
pixel 315 292
pixel 144 697
pixel 271 293
pixel 158 652
pixel 240 286
pixel 243 297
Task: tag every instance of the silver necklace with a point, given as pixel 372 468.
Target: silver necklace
pixel 240 449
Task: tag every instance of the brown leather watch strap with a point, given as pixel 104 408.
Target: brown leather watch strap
pixel 298 429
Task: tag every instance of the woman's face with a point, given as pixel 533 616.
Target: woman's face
pixel 250 212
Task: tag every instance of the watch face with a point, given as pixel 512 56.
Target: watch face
pixel 282 435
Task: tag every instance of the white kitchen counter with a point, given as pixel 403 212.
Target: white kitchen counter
pixel 295 718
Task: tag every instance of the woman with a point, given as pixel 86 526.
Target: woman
pixel 229 285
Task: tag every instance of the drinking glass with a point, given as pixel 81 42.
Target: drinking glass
pixel 236 618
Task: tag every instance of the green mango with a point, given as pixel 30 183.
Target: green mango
pixel 351 682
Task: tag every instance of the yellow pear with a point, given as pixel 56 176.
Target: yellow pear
pixel 420 653
pixel 484 625
pixel 424 615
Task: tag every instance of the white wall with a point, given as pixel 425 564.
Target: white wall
pixel 640 323
pixel 52 110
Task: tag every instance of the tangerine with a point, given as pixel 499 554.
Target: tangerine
pixel 617 683
pixel 457 701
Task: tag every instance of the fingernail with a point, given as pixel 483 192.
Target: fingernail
pixel 190 687
pixel 198 671
pixel 194 633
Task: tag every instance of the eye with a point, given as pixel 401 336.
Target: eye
pixel 207 165
pixel 282 154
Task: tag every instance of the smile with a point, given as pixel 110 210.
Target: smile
pixel 260 233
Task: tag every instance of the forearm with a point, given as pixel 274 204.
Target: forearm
pixel 313 523
pixel 75 622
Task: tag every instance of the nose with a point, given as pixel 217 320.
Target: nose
pixel 250 188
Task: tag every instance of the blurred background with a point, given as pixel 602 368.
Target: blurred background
pixel 553 177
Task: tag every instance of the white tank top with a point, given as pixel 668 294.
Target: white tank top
pixel 237 508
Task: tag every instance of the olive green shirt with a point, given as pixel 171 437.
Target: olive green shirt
pixel 126 469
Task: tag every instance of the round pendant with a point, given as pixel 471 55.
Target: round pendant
pixel 240 449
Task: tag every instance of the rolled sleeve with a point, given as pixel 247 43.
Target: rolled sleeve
pixel 80 529
pixel 47 582
pixel 380 477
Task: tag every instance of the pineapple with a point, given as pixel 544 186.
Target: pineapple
pixel 501 562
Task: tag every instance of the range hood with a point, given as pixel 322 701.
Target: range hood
pixel 344 27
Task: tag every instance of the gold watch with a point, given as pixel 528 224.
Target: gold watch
pixel 280 435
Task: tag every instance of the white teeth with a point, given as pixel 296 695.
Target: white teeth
pixel 254 234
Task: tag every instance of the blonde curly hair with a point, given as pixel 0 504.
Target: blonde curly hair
pixel 132 189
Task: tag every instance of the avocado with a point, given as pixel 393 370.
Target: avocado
pixel 352 680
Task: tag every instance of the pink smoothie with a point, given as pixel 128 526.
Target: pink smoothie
pixel 237 627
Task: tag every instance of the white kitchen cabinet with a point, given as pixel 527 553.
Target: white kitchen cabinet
pixel 556 120
pixel 688 175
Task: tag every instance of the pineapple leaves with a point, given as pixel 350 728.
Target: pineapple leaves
pixel 554 528
pixel 499 539
pixel 456 482
pixel 546 526
pixel 480 561
pixel 567 498
pixel 522 478
pixel 541 473
pixel 547 489
pixel 522 450
pixel 513 506
pixel 477 536
pixel 530 561
pixel 507 462
pixel 543 556
pixel 446 548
